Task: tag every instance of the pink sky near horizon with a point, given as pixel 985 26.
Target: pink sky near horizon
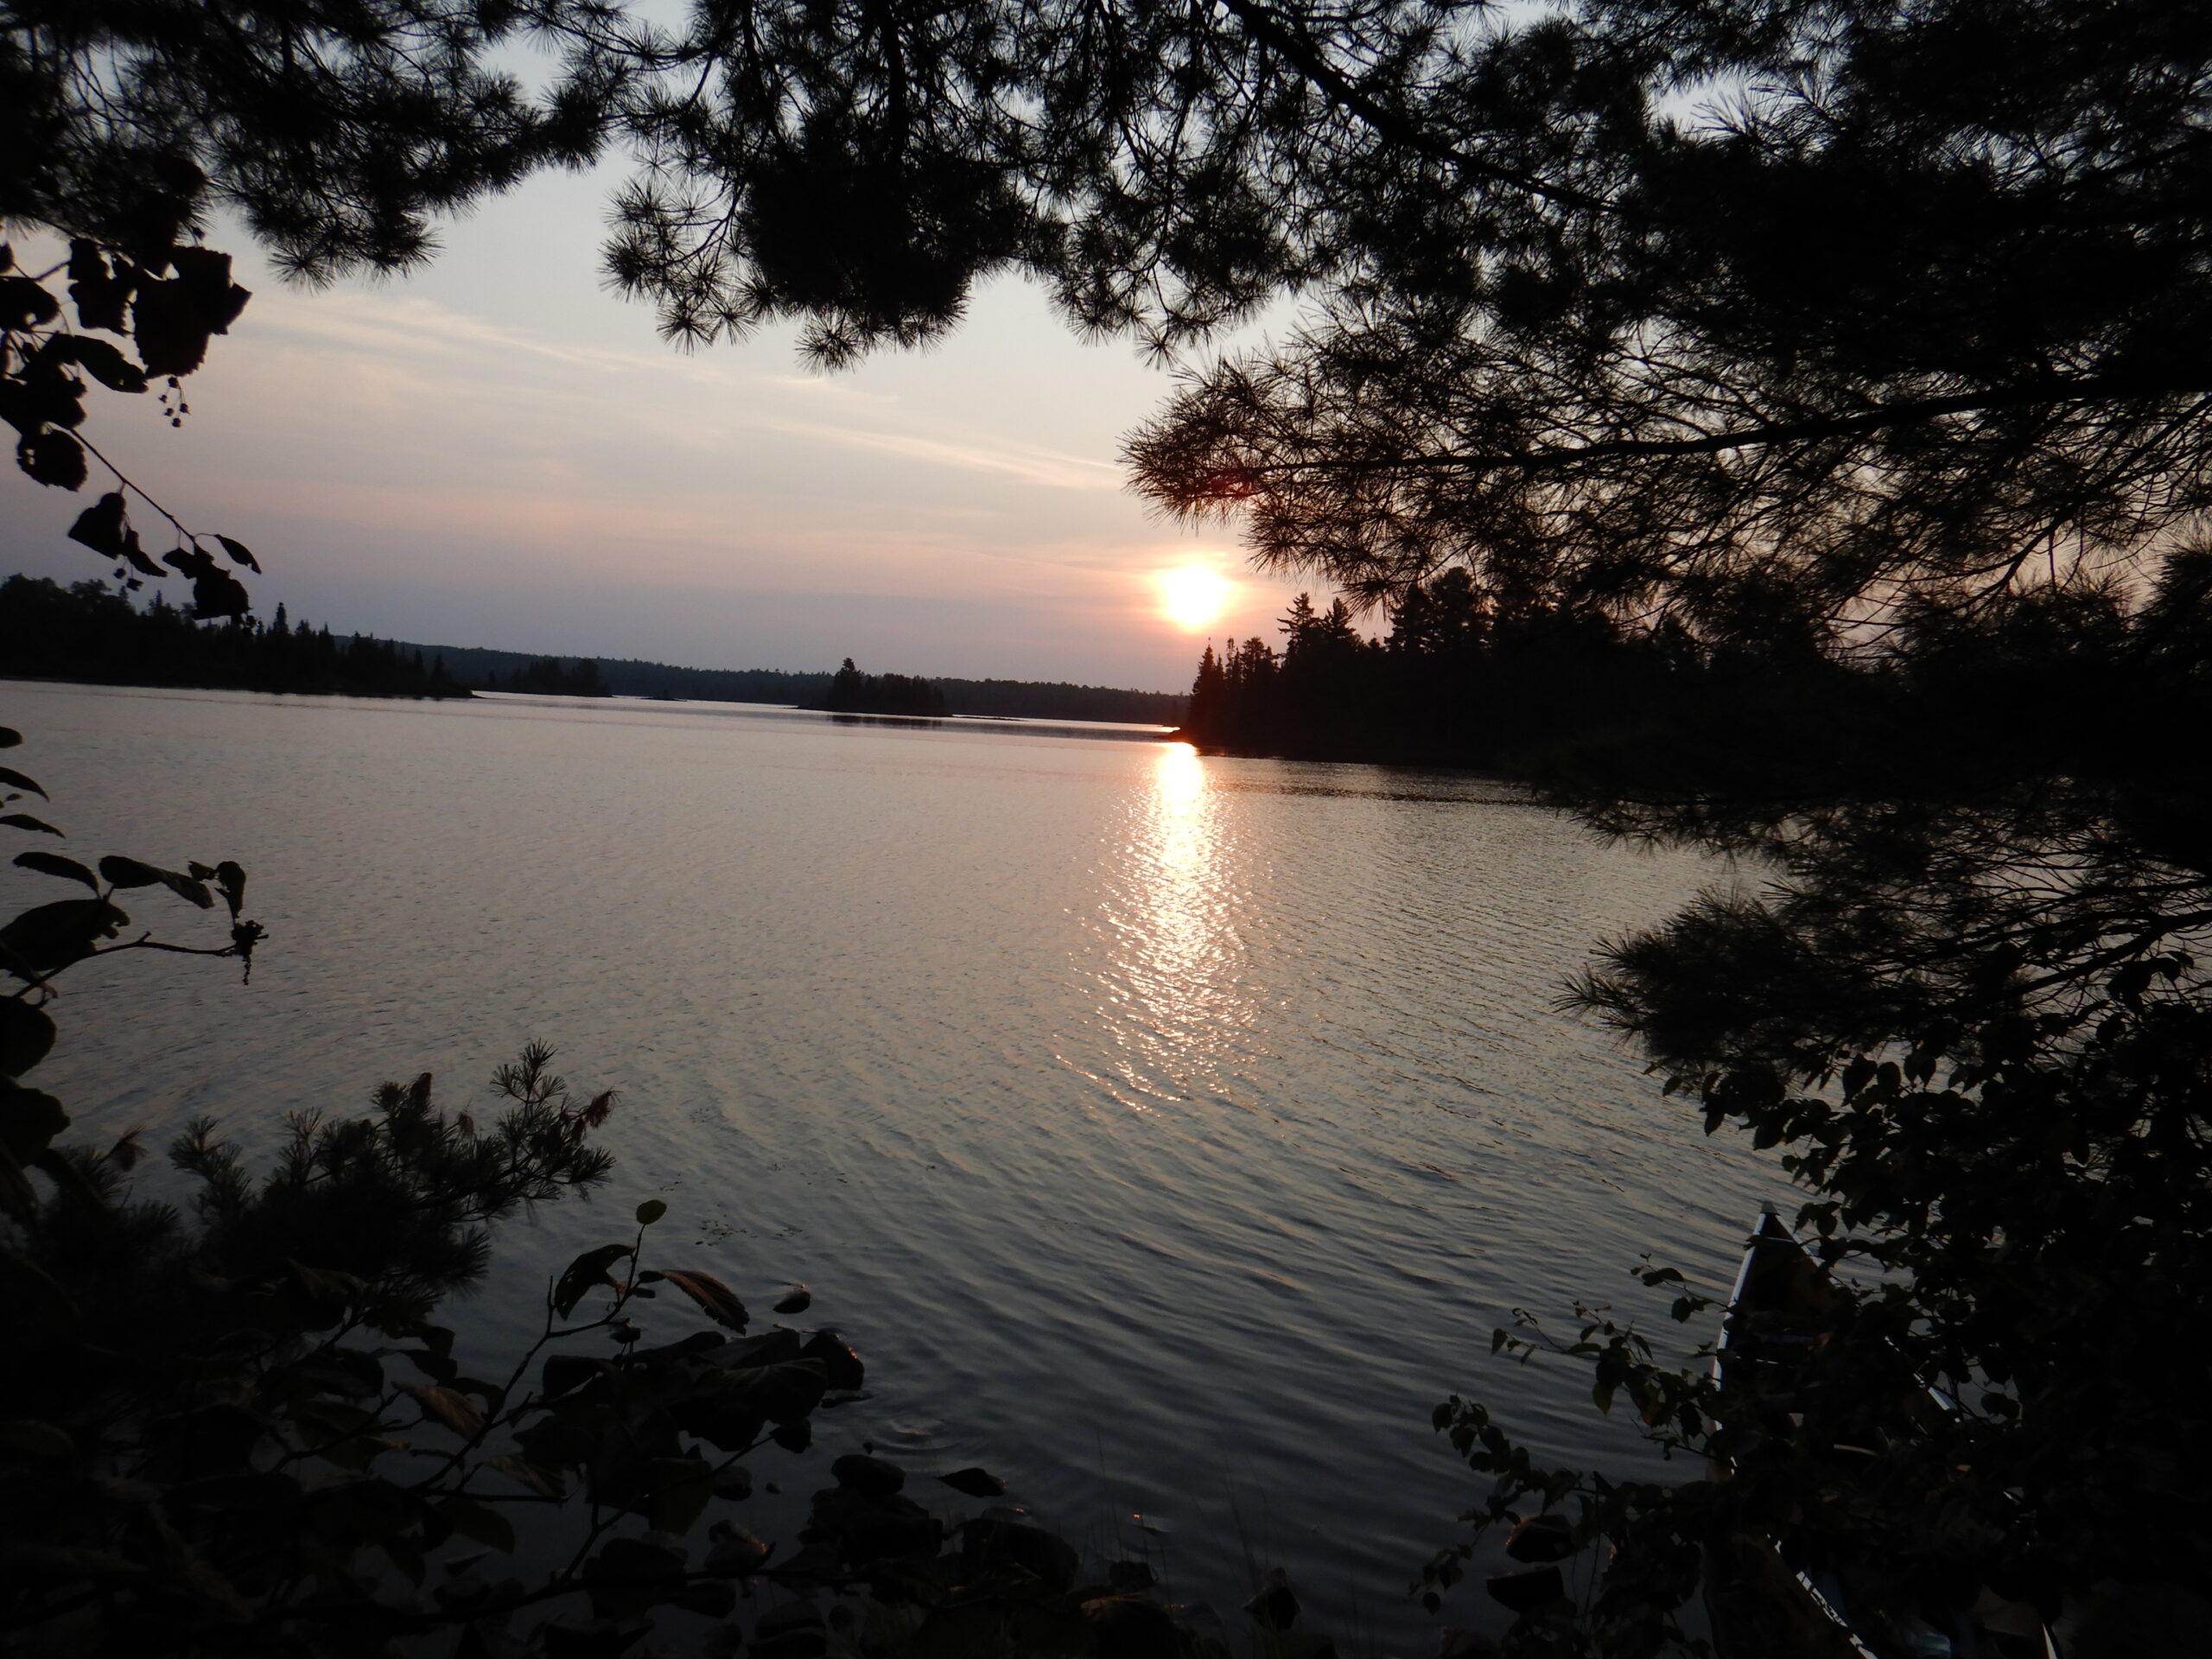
pixel 497 451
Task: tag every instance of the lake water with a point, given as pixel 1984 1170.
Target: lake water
pixel 1168 1133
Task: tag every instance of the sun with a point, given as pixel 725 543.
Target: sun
pixel 1193 597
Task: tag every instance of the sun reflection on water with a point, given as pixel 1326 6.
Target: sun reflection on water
pixel 1172 1001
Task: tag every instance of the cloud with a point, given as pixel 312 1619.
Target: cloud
pixel 393 334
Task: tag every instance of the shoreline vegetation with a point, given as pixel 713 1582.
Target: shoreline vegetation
pixel 1581 702
pixel 89 633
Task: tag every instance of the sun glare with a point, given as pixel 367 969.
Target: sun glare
pixel 1194 598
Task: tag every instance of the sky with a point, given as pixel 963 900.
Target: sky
pixel 496 450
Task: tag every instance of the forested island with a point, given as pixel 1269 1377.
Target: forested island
pixel 852 692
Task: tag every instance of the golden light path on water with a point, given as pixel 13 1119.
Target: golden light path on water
pixel 1177 1003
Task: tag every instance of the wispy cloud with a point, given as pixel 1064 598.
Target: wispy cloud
pixel 388 327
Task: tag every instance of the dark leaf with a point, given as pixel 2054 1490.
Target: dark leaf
pixel 13 779
pixel 587 1271
pixel 230 881
pixel 122 872
pixel 29 1119
pixel 170 329
pixel 188 890
pixel 53 458
pixel 651 1211
pixel 783 1393
pixel 26 1035
pixel 240 554
pixel 25 304
pixel 9 737
pixel 215 592
pixel 24 821
pixel 710 1293
pixel 564 1373
pixel 103 526
pixel 54 864
pixel 455 1410
pixel 51 937
pixel 98 295
pixel 206 277
pixel 106 364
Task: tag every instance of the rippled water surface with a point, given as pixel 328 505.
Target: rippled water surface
pixel 1168 1133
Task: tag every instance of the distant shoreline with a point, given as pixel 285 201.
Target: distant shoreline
pixel 1006 725
pixel 89 634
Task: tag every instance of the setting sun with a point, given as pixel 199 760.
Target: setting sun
pixel 1193 597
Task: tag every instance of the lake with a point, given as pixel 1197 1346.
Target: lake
pixel 1168 1133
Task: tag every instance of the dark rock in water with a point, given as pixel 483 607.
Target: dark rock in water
pixel 871 1528
pixel 1129 1576
pixel 976 1483
pixel 1275 1607
pixel 1531 1587
pixel 735 1551
pixel 987 1546
pixel 870 1476
pixel 1541 1538
pixel 734 1483
pixel 840 1366
pixel 795 1630
pixel 821 1561
pixel 794 1436
pixel 1129 1628
pixel 797 1300
pixel 743 1353
pixel 894 1537
pixel 1464 1645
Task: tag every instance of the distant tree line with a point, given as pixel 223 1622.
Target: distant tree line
pixel 852 692
pixel 1018 699
pixel 91 633
pixel 1569 697
pixel 1058 700
pixel 551 676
